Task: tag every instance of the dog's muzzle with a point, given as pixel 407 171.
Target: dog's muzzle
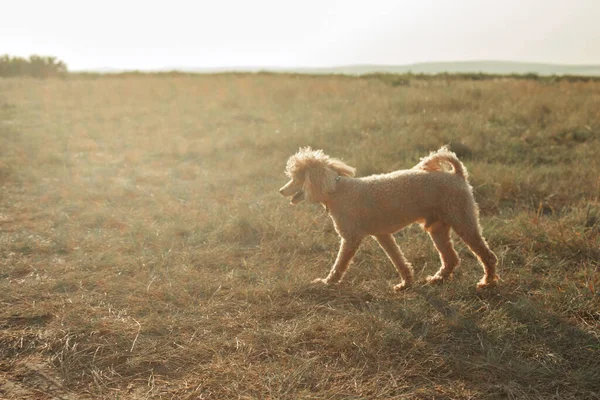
pixel 296 196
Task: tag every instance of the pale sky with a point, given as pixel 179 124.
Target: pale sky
pixel 146 34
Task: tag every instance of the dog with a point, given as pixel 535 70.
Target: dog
pixel 381 205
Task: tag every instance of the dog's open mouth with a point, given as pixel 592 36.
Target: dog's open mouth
pixel 298 197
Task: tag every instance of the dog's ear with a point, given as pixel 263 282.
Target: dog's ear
pixel 318 182
pixel 341 167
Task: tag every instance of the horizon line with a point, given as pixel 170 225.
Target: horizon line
pixel 338 66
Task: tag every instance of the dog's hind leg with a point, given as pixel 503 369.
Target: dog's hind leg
pixel 348 249
pixel 389 245
pixel 440 235
pixel 470 233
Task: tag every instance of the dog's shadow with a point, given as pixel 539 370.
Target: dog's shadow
pixel 500 334
pixel 520 340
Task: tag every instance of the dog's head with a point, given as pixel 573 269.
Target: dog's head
pixel 312 175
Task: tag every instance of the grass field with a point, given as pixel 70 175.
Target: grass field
pixel 146 253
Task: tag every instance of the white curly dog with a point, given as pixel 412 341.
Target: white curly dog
pixel 381 205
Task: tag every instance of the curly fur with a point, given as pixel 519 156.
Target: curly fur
pixel 381 205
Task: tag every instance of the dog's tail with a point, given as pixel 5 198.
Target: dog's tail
pixel 433 162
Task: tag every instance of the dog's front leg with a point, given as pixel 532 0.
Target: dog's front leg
pixel 347 251
pixel 389 245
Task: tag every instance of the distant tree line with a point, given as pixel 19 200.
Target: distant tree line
pixel 35 66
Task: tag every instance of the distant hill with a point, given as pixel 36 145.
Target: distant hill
pixel 485 67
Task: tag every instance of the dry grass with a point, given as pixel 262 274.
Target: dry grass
pixel 145 252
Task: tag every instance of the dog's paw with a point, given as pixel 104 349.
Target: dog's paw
pixel 320 281
pixel 487 282
pixel 402 286
pixel 436 279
